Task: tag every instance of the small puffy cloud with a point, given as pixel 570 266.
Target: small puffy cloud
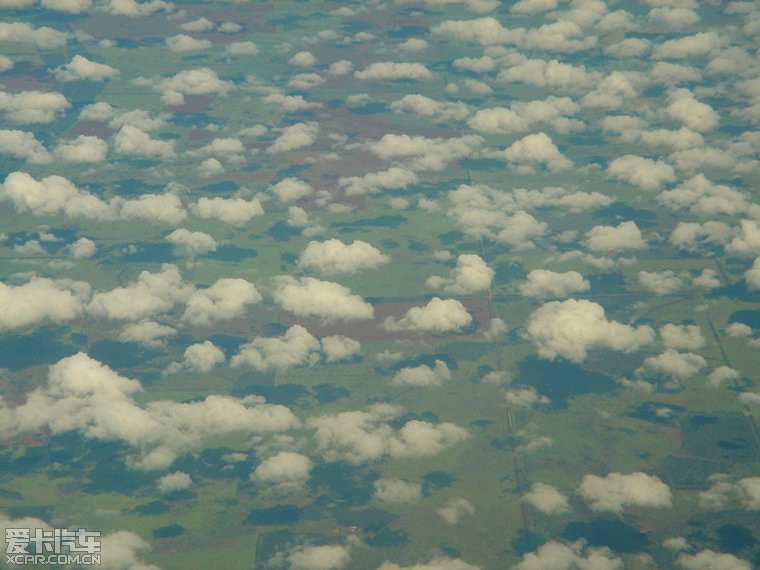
pixel 391 179
pixel 708 279
pixel 682 337
pixel 711 560
pixel 738 330
pixel 537 149
pixel 303 59
pixel 133 8
pixel 131 141
pixel 426 153
pixel 551 74
pixel 701 196
pixel 625 236
pixel 674 364
pixel 413 44
pixel 43 38
pixel 294 137
pixel 438 315
pixel 291 190
pixel 426 107
pixel 147 333
pixel 241 48
pixel 199 357
pixel 524 397
pixel 337 348
pixel 82 69
pixel 546 499
pixel 645 173
pixel 423 375
pixel 691 113
pixel 397 491
pixel 173 482
pixel 310 297
pixel 720 375
pixel 296 347
pixel 359 437
pixel 747 243
pixel 727 494
pixel 701 43
pixel 42 299
pixel 190 243
pixel 151 293
pixel 183 42
pixel 533 6
pixel 83 248
pixel 616 491
pixel 554 555
pixel 752 275
pixel 692 236
pixel 457 508
pixel 26 107
pixel 333 257
pixel 323 557
pixel 484 31
pixel 478 6
pixel 470 275
pixel 660 282
pixel 227 298
pixel 392 71
pixel 198 25
pixel 203 81
pixel 286 469
pixel 521 116
pixel 22 144
pixel 546 283
pixel 290 103
pixel 234 211
pixel 84 148
pixel 571 328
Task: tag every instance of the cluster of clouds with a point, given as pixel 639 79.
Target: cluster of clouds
pixel 148 296
pixel 83 395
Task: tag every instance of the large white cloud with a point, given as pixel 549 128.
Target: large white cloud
pixel 645 173
pixel 310 297
pixel 571 328
pixel 438 315
pixel 190 243
pixel 616 491
pixel 27 107
pixel 333 257
pixel 42 299
pixel 43 38
pixel 150 294
pixel 710 560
